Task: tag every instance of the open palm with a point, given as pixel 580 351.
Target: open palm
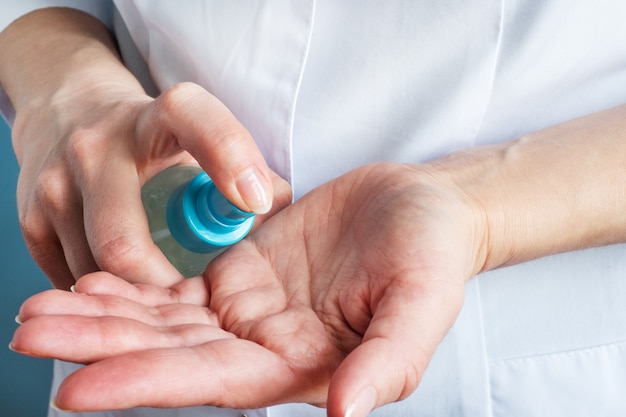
pixel 339 300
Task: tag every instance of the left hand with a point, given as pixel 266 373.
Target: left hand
pixel 87 137
pixel 339 300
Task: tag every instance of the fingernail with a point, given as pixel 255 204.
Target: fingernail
pixel 73 288
pixel 17 319
pixel 11 348
pixel 254 190
pixel 363 403
pixel 55 406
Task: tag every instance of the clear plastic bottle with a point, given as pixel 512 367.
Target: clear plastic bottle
pixel 189 219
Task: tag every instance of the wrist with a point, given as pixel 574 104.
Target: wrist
pixel 61 70
pixel 551 191
pixel 475 174
pixel 442 195
pixel 54 55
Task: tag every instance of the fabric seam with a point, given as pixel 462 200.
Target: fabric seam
pixel 296 94
pixel 494 69
pixel 484 343
pixel 621 344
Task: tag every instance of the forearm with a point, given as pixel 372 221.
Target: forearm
pixel 556 190
pixel 60 57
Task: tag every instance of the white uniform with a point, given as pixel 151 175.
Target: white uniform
pixel 325 86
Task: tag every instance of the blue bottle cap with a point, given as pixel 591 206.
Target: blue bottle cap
pixel 202 220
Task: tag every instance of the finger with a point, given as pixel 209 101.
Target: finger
pixel 117 228
pixel 50 257
pixel 85 339
pixel 190 291
pixel 199 123
pixel 230 373
pixel 51 223
pixel 282 198
pixel 407 326
pixel 70 230
pixel 57 302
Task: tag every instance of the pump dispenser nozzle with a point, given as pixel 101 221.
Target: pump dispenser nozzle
pixel 190 219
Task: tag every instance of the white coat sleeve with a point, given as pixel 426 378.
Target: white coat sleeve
pixel 11 10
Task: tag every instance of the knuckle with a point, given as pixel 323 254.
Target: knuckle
pixel 29 225
pixel 36 242
pixel 170 101
pixel 51 193
pixel 120 255
pixel 82 148
pixel 227 139
pixel 413 373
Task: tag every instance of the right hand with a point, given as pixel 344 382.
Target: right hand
pixel 85 158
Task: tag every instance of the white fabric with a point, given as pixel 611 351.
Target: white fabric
pixel 325 86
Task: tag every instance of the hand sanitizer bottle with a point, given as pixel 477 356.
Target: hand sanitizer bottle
pixel 190 220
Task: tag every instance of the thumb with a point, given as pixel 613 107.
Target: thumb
pixel 388 365
pixel 187 116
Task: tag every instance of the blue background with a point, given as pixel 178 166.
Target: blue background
pixel 24 382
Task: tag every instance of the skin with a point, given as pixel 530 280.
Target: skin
pixel 86 131
pixel 341 298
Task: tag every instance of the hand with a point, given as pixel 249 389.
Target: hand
pixel 87 137
pixel 338 300
pixel 79 186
